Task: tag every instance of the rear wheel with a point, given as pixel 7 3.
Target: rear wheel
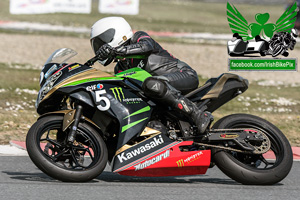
pixel 81 161
pixel 255 169
pixel 277 50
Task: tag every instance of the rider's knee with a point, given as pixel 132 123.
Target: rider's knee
pixel 155 87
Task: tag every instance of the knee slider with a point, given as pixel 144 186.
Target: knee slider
pixel 154 87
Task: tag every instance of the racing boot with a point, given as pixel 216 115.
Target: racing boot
pixel 189 109
pixel 158 88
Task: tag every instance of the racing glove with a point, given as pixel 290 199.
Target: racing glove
pixel 104 52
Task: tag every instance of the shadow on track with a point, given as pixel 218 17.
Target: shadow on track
pixel 111 177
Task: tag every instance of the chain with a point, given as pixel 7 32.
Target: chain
pixel 258 150
pixel 220 147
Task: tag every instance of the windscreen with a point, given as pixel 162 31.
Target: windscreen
pixel 61 55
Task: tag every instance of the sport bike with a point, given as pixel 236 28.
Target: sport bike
pixel 89 118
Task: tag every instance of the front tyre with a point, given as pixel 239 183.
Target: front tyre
pixel 81 161
pixel 254 169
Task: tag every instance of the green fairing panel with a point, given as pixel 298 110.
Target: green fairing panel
pixel 91 80
pixel 134 73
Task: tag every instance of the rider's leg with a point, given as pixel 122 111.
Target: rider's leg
pixel 160 89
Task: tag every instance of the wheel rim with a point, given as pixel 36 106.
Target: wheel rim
pixel 261 161
pixel 83 154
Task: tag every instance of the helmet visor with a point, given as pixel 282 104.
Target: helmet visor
pixel 102 39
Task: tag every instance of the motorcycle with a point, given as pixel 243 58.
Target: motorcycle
pixel 89 118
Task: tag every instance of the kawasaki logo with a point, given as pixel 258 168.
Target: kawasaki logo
pixel 152 161
pixel 155 142
pixel 118 93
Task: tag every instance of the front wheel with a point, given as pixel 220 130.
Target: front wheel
pixel 80 161
pixel 253 169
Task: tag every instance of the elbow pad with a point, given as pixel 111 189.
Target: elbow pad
pixel 139 48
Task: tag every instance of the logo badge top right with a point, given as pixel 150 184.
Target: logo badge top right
pixel 262 39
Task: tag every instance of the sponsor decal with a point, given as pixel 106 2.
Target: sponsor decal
pixel 141 64
pixel 132 100
pixel 229 136
pixel 73 67
pixel 129 74
pixel 189 159
pixel 154 160
pixel 94 87
pixel 119 95
pixel 158 140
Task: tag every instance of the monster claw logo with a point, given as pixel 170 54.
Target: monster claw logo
pixel 180 163
pixel 118 93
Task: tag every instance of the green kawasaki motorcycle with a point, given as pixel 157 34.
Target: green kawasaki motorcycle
pixel 89 118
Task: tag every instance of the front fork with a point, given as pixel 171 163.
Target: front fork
pixel 77 117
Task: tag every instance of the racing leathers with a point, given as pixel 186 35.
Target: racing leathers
pixel 170 77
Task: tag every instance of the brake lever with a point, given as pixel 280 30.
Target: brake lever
pixel 91 61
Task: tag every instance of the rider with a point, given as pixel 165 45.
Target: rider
pixel 113 36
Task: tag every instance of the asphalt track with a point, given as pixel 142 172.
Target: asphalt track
pixel 20 179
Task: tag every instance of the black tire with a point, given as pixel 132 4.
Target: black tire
pixel 66 162
pixel 246 169
pixel 277 50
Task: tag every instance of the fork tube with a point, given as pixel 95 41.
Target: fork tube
pixel 72 134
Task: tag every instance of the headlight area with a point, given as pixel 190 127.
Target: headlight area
pixel 47 87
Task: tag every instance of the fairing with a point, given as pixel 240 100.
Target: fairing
pixel 160 156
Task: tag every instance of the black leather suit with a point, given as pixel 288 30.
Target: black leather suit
pixel 158 62
pixel 170 77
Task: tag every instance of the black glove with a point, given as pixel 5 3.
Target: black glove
pixel 104 52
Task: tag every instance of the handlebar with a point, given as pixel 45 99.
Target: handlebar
pixel 91 61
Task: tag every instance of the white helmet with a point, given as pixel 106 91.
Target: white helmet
pixel 110 30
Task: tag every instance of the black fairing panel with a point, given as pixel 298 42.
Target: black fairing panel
pixel 126 109
pixel 220 90
pixel 130 112
pixel 84 97
pixel 229 92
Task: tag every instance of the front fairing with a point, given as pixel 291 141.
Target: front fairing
pixel 93 88
pixel 57 71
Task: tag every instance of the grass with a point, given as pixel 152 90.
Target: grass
pixel 17 111
pixel 19 84
pixel 158 15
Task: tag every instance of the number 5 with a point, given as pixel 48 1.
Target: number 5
pixel 102 98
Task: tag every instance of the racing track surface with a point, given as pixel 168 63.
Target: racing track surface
pixel 20 179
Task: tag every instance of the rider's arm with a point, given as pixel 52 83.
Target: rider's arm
pixel 141 44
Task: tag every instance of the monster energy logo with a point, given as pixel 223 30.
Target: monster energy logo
pixel 118 93
pixel 189 159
